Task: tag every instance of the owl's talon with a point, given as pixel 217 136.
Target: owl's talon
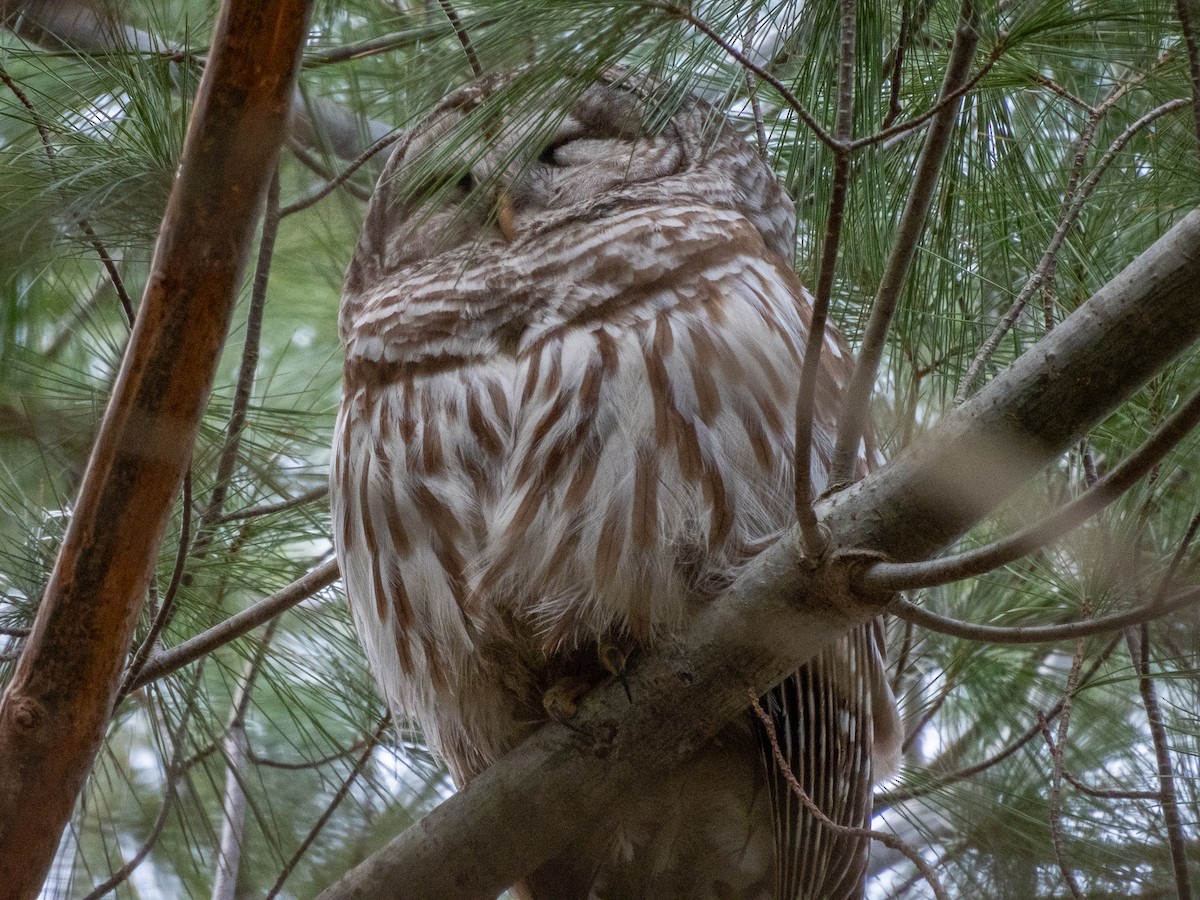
pixel 614 658
pixel 561 700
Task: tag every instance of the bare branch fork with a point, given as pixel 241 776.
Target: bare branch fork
pixel 559 784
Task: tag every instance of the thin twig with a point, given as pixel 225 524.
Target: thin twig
pixel 916 22
pixel 972 563
pixel 788 97
pixel 163 614
pixel 1066 222
pixel 386 43
pixel 334 183
pixel 891 841
pixel 313 763
pixel 927 716
pixel 69 326
pixel 906 645
pixel 233 805
pixel 269 509
pixel 901 890
pixel 174 771
pixel 463 38
pixel 311 162
pixel 1139 651
pixel 247 369
pixel 760 130
pixel 342 791
pixel 943 102
pixel 897 67
pixel 1168 578
pixel 1071 779
pixel 110 267
pixel 814 541
pixel 896 796
pixel 93 239
pixel 852 422
pixel 168 661
pixel 1040 634
pixel 1054 87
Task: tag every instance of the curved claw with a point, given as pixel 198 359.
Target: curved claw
pixel 561 700
pixel 614 659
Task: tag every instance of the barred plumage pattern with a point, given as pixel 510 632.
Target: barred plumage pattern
pixel 568 420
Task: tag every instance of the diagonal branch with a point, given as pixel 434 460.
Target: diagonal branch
pixel 855 408
pixel 907 576
pixel 814 543
pixel 167 661
pixel 561 783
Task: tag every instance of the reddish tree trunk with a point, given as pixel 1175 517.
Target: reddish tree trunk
pixel 55 710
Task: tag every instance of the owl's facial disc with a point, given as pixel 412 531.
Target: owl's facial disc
pixel 471 175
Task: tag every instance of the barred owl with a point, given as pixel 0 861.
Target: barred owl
pixel 573 342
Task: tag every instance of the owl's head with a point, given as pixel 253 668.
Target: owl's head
pixel 482 169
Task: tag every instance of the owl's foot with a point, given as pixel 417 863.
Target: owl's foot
pixel 614 659
pixel 561 700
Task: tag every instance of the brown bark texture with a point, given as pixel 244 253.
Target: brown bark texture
pixel 55 710
pixel 559 785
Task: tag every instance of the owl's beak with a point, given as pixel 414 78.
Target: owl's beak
pixel 506 215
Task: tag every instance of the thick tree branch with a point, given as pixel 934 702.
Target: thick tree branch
pixel 971 563
pixel 55 709
pixel 562 782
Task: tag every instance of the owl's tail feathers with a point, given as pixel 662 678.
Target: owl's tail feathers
pixel 836 725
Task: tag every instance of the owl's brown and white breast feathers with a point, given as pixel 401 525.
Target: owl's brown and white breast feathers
pixel 571 373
